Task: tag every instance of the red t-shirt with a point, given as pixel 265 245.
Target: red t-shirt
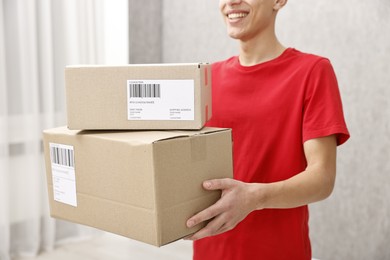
pixel 272 108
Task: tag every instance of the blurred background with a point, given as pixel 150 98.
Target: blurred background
pixel 38 38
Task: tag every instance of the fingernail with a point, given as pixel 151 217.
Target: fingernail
pixel 190 223
pixel 207 184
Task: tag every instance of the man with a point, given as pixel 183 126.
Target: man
pixel 286 115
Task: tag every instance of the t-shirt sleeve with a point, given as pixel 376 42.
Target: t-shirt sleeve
pixel 323 112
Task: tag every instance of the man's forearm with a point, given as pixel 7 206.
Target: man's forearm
pixel 313 184
pixel 307 187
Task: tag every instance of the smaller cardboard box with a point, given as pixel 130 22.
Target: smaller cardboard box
pixel 138 96
pixel 143 185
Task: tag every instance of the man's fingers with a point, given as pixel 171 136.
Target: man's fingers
pixel 204 215
pixel 214 227
pixel 217 184
pixel 218 223
pixel 215 209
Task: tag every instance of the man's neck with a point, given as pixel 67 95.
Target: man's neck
pixel 259 50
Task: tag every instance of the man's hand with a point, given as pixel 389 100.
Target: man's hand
pixel 238 199
pixel 235 204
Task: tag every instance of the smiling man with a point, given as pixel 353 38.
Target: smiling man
pixel 285 110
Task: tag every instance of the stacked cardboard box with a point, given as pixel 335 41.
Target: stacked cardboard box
pixel 104 172
pixel 160 96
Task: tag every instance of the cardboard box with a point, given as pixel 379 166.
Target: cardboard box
pixel 153 96
pixel 143 185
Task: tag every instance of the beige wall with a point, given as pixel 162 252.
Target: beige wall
pixel 354 223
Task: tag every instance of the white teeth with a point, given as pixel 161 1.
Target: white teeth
pixel 237 15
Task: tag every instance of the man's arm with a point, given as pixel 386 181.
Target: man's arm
pixel 238 199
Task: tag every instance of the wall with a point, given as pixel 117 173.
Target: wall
pixel 145 31
pixel 354 222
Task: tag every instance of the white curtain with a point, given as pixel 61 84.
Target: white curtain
pixel 38 38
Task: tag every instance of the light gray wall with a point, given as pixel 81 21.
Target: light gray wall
pixel 145 31
pixel 354 223
pixel 194 32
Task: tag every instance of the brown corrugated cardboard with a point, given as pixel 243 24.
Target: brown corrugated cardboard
pixel 138 96
pixel 143 185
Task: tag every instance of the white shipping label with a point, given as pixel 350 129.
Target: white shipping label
pixel 63 173
pixel 160 99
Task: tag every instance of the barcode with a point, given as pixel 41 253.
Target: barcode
pixel 62 156
pixel 144 91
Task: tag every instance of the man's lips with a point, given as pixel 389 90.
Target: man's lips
pixel 236 15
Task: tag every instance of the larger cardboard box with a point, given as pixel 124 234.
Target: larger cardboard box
pixel 138 96
pixel 143 185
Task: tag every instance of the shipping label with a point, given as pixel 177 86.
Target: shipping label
pixel 160 100
pixel 63 173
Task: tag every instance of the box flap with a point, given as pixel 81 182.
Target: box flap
pixel 135 136
pixel 61 130
pixel 188 133
pixel 209 130
pixel 80 66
